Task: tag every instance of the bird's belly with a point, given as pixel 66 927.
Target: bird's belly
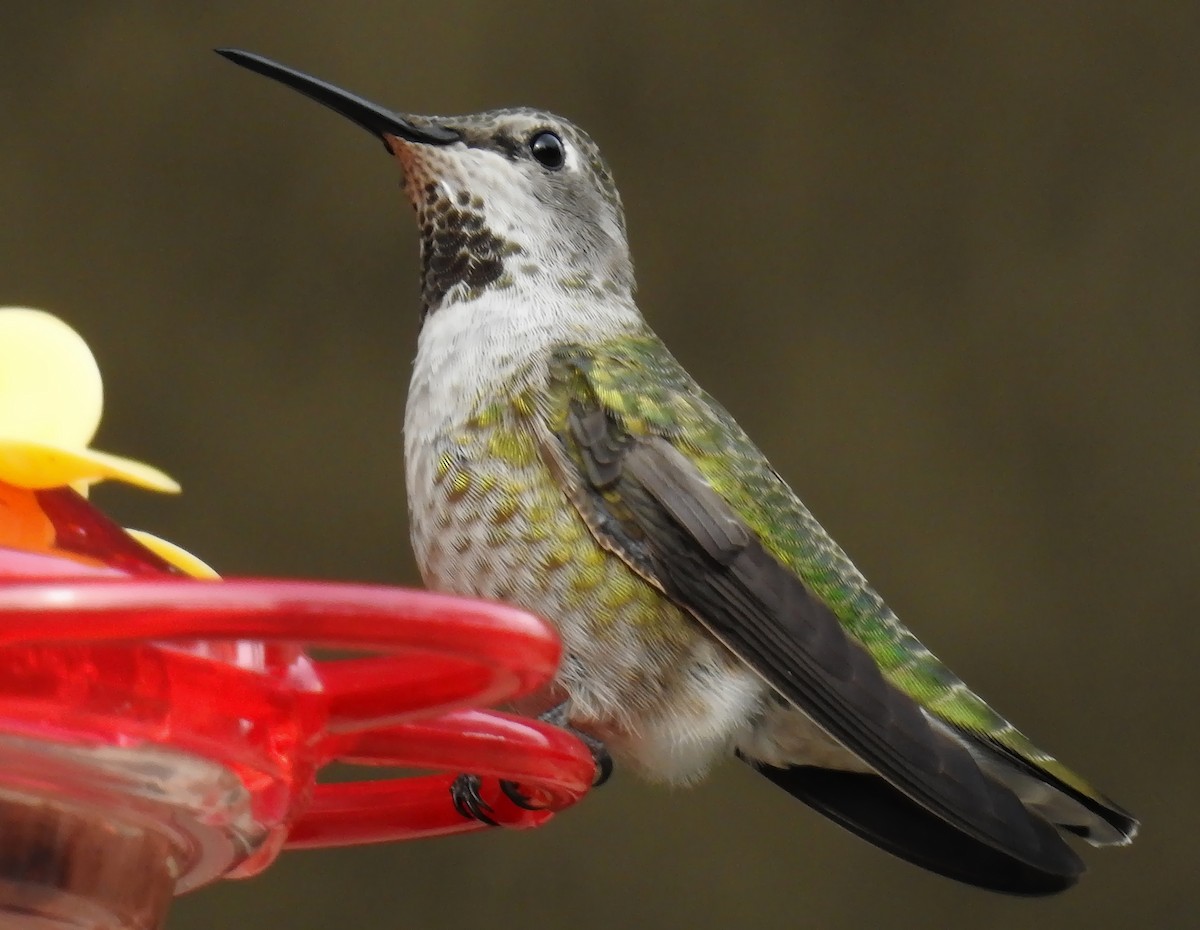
pixel 488 520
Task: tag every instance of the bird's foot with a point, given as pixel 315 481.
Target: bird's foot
pixel 465 790
pixel 557 716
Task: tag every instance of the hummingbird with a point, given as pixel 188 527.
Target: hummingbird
pixel 559 458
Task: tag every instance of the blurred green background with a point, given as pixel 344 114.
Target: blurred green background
pixel 939 259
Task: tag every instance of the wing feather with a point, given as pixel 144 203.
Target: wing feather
pixel 648 503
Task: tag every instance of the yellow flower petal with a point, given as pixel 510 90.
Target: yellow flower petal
pixel 50 387
pixel 179 557
pixel 39 465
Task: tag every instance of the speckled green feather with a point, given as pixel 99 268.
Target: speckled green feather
pixel 641 384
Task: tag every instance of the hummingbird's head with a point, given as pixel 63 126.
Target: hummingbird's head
pixel 499 196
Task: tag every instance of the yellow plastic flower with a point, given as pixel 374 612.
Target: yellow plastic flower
pixel 51 397
pixel 174 555
pixel 50 402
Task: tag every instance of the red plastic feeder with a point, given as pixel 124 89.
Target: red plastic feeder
pixel 157 732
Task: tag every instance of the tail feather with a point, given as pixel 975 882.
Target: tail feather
pixel 1077 808
pixel 868 806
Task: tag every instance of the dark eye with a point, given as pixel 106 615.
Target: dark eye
pixel 548 149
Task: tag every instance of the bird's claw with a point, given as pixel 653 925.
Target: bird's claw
pixel 512 791
pixel 464 792
pixel 604 769
pixel 604 763
pixel 600 754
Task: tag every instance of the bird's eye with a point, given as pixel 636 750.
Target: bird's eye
pixel 548 149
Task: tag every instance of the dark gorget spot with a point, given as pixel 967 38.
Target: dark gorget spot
pixel 457 247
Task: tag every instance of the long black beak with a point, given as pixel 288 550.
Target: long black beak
pixel 375 119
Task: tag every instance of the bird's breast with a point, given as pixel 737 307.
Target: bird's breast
pixel 489 519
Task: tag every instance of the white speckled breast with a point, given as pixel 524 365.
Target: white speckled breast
pixel 489 520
